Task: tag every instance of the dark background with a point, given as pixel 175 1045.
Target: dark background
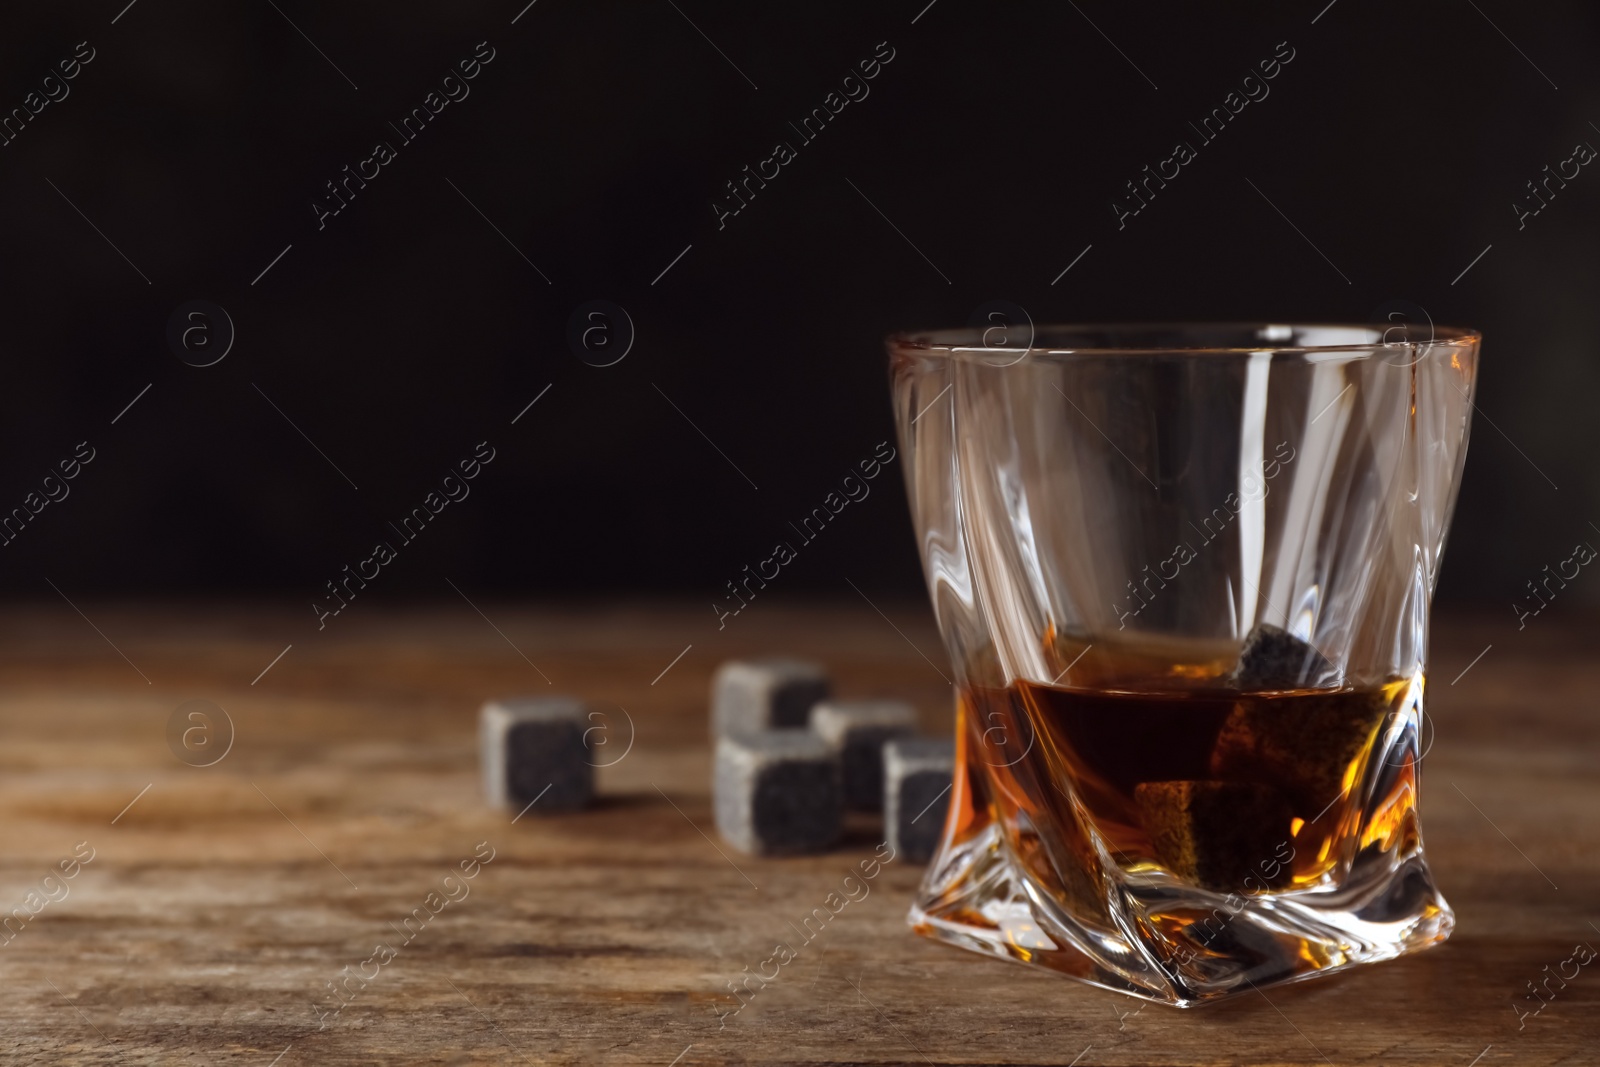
pixel 408 330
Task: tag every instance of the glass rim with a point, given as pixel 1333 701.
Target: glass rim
pixel 1272 337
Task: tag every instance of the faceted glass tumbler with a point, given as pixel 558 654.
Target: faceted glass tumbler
pixel 1184 574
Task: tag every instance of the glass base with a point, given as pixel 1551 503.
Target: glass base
pixel 1175 944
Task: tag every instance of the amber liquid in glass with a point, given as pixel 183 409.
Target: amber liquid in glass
pixel 1234 791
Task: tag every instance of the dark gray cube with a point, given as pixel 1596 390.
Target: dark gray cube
pixel 857 730
pixel 917 775
pixel 764 694
pixel 1273 658
pixel 533 749
pixel 778 791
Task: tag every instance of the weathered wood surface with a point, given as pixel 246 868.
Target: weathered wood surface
pixel 207 924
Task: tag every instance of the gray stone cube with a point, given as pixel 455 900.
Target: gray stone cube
pixel 778 791
pixel 764 694
pixel 1273 658
pixel 917 775
pixel 533 749
pixel 857 730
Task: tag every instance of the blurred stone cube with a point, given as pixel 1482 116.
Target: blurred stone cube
pixel 533 749
pixel 917 777
pixel 857 730
pixel 778 792
pixel 764 694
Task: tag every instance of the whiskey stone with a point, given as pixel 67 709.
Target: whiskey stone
pixel 533 748
pixel 764 694
pixel 778 792
pixel 857 730
pixel 917 776
pixel 1303 746
pixel 1223 836
pixel 1273 658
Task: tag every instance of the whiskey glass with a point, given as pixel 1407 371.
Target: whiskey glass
pixel 1184 574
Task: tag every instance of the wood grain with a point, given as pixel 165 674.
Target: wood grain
pixel 220 904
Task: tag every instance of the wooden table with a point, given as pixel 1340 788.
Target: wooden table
pixel 221 903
